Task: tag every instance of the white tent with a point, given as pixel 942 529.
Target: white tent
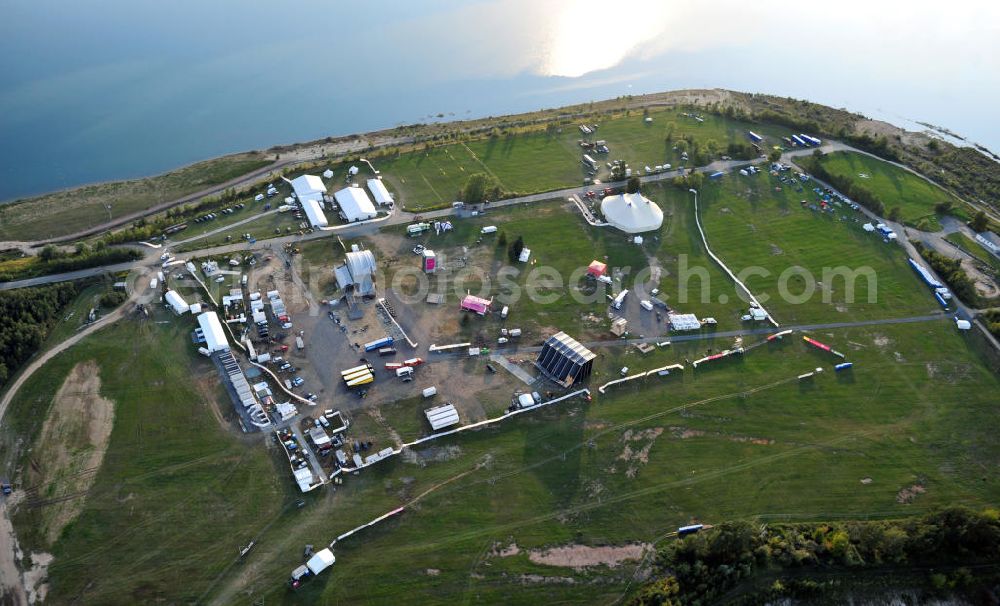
pixel 321 561
pixel 355 204
pixel 358 271
pixel 304 478
pixel 314 213
pixel 176 302
pixel 308 187
pixel 684 321
pixel 442 416
pixel 215 337
pixel 632 213
pixel 379 192
pixel 328 174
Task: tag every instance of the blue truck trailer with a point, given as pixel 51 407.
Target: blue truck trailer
pixel 385 342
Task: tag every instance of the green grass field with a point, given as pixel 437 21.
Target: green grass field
pixel 176 494
pixel 736 439
pixel 543 161
pixel 974 248
pixel 67 212
pixel 895 187
pixel 750 225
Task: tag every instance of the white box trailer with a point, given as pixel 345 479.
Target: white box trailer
pixel 648 306
pixel 489 229
pixel 430 392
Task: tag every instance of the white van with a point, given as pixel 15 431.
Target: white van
pixel 646 305
pixel 404 371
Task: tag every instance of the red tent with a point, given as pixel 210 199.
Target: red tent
pixel 597 269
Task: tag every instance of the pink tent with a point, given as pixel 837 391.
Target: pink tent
pixel 476 304
pixel 596 269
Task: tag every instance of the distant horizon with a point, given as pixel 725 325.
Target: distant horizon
pixel 150 90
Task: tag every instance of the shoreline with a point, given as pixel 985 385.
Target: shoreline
pixel 306 151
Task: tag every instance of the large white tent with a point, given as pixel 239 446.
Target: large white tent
pixel 379 192
pixel 176 302
pixel 358 271
pixel 442 416
pixel 314 213
pixel 632 213
pixel 215 337
pixel 354 204
pixel 308 187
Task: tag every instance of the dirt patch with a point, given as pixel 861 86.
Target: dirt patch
pixel 71 447
pixel 908 494
pixel 683 433
pixel 881 340
pixel 866 481
pixel 776 251
pixel 501 551
pixel 583 556
pixel 640 455
pixel 534 579
pixel 34 578
pixel 432 572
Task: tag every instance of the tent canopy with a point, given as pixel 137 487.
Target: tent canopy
pixel 632 213
pixel 597 269
pixel 476 304
pixel 354 204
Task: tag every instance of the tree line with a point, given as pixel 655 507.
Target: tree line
pixel 951 272
pixel 704 568
pixel 27 315
pixel 52 261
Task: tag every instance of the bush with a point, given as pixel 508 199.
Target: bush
pixel 703 567
pixel 112 299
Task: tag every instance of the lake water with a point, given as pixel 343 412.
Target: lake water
pixel 112 89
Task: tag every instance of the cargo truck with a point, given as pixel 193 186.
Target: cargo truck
pixel 320 561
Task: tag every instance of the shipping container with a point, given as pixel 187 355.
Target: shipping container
pixel 378 344
pixel 363 380
pixel 351 371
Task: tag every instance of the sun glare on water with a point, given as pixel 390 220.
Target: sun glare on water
pixel 591 35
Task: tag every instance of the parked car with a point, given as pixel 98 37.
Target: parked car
pixel 297 381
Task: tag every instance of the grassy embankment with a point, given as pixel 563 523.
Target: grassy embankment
pixel 895 187
pixel 975 249
pixel 70 211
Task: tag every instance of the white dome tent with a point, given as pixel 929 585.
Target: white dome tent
pixel 632 213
